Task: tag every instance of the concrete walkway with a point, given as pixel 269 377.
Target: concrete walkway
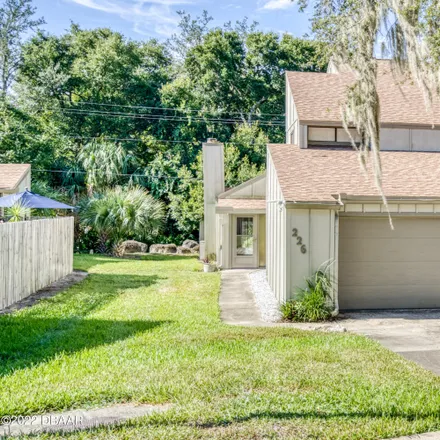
pixel 426 436
pixel 237 305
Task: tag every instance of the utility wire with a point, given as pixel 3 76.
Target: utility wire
pixel 161 118
pixel 145 176
pixel 174 109
pixel 132 139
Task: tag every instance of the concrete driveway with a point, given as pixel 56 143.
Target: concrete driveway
pixel 414 334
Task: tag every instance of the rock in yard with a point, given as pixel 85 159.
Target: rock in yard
pixel 181 250
pixel 132 246
pixel 190 244
pixel 163 249
pixel 195 249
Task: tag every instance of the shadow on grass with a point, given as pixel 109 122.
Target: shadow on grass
pixel 162 257
pixel 322 415
pixel 62 324
pixel 86 262
pixel 65 336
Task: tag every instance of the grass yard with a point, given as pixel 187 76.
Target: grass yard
pixel 149 331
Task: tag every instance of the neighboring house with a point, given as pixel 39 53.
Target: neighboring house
pixel 14 178
pixel 316 205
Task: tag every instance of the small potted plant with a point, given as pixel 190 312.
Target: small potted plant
pixel 209 263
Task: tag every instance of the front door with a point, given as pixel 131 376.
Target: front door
pixel 245 241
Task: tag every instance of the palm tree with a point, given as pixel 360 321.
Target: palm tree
pixel 122 213
pixel 103 162
pixel 17 212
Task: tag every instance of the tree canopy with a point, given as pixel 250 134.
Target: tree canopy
pixel 92 110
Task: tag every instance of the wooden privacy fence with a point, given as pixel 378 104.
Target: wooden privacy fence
pixel 33 254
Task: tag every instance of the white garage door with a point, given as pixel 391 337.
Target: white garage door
pixel 384 268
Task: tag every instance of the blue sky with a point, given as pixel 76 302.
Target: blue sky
pixel 141 19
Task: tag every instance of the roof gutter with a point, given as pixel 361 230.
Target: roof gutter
pixel 354 198
pixel 314 204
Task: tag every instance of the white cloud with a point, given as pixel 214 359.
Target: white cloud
pixel 148 17
pixel 277 4
pixel 232 6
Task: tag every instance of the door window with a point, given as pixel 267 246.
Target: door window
pixel 245 236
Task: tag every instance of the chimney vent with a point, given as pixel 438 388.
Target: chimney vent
pixel 212 141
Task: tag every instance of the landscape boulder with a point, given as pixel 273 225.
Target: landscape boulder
pixel 181 250
pixel 190 244
pixel 132 246
pixel 195 249
pixel 163 249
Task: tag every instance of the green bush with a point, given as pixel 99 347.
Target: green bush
pixel 311 303
pixel 288 310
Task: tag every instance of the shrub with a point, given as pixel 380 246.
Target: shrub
pixel 311 303
pixel 120 214
pixel 288 310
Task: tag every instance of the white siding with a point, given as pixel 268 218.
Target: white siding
pixel 213 185
pixel 275 234
pixel 292 121
pixel 317 229
pixel 253 188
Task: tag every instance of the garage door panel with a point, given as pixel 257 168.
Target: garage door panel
pixel 381 268
pixel 383 250
pixel 378 274
pixel 380 227
pixel 391 297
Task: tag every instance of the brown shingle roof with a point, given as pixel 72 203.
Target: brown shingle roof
pixel 316 174
pixel 319 96
pixel 251 204
pixel 11 175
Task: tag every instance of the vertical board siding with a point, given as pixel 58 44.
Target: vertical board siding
pixel 318 230
pixel 33 255
pixel 275 234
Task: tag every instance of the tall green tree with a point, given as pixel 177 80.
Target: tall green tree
pixel 16 19
pixel 95 110
pixel 104 164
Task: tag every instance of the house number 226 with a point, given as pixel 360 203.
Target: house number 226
pixel 299 241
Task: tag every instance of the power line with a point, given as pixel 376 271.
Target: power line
pixel 132 139
pixel 173 109
pixel 162 118
pixel 145 176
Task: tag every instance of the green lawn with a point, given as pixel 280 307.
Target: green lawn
pixel 149 331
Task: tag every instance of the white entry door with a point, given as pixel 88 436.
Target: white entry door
pixel 245 241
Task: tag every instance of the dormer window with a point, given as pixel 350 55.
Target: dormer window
pixel 330 136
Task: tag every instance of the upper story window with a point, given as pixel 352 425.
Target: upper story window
pixel 331 136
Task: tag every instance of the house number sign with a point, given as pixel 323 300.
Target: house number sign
pixel 299 241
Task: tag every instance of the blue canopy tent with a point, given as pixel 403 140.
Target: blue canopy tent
pixel 30 200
